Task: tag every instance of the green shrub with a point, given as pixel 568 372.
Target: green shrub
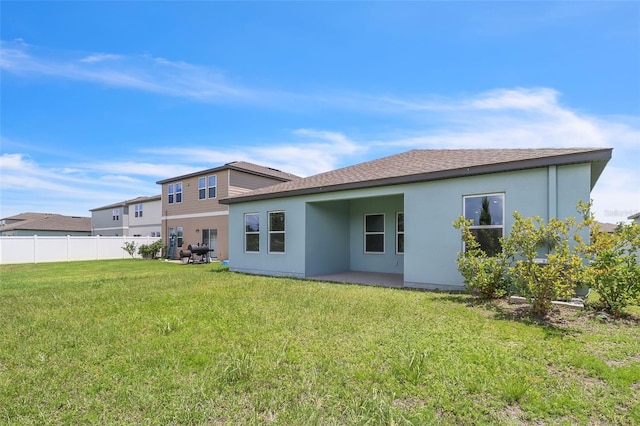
pixel 151 250
pixel 615 271
pixel 486 276
pixel 130 247
pixel 544 277
pixel 544 260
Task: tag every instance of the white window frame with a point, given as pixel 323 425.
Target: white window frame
pixel 251 232
pixel 366 233
pixel 171 196
pixel 491 194
pixel 202 188
pixel 179 236
pixel 214 186
pixel 178 192
pixel 138 210
pixel 398 232
pixel 283 232
pixel 115 215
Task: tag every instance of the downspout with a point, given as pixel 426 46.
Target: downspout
pixel 552 193
pixel 552 196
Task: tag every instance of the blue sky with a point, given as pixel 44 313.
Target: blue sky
pixel 99 100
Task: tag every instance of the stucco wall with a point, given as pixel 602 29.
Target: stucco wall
pixel 389 261
pixel 292 262
pixel 432 244
pixel 316 224
pixel 328 235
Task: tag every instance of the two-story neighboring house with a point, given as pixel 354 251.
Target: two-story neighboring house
pixel 191 211
pixel 138 217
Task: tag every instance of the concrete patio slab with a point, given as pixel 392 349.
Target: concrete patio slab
pixel 367 278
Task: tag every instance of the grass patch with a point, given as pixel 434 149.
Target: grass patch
pixel 132 341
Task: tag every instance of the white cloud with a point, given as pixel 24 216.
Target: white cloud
pixel 617 195
pixel 541 99
pixel 29 186
pixel 511 119
pixel 142 72
pixel 311 152
pixel 133 168
pixel 99 57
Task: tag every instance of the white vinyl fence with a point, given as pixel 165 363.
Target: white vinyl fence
pixel 66 249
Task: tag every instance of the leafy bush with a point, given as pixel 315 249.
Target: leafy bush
pixel 483 275
pixel 615 269
pixel 544 277
pixel 543 260
pixel 151 250
pixel 130 247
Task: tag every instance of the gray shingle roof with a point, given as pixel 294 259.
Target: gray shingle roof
pixel 137 200
pixel 425 165
pixel 47 222
pixel 242 166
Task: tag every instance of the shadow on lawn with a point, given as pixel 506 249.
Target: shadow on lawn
pixel 555 324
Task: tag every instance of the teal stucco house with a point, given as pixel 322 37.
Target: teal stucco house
pixel 389 221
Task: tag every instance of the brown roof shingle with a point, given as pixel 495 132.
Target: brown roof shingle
pixel 426 164
pixel 47 222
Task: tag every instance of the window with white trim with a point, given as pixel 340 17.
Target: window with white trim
pixel 138 210
pixel 115 214
pixel 374 233
pixel 276 232
pixel 400 232
pixel 207 187
pixel 202 188
pixel 171 193
pixel 487 213
pixel 212 182
pixel 180 235
pixel 251 232
pixel 179 192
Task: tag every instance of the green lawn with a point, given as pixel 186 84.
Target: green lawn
pixel 153 342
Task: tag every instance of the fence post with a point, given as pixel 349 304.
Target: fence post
pixel 97 247
pixel 35 249
pixel 68 246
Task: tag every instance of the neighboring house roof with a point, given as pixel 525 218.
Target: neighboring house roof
pixel 137 200
pixel 46 222
pixel 608 228
pixel 425 165
pixel 634 216
pixel 241 166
